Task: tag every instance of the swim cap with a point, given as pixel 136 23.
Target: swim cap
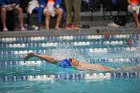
pixel 65 63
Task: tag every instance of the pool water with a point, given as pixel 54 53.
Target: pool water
pixel 69 86
pixel 38 76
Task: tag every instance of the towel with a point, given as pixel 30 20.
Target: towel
pixel 32 4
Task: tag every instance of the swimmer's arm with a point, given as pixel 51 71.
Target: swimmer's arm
pixel 83 69
pixel 49 59
pixel 95 67
pixel 79 67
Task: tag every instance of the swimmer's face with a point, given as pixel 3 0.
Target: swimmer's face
pixel 74 61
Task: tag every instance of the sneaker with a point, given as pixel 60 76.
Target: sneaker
pixel 36 28
pixel 113 25
pixel 85 26
pixel 5 29
pixel 77 28
pixel 73 26
pixel 22 29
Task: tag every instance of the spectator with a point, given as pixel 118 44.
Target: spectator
pixel 37 5
pixel 76 5
pixel 11 5
pixel 53 8
pixel 134 8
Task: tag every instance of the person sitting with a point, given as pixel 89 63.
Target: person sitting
pixel 11 5
pixel 53 8
pixel 36 5
pixel 134 8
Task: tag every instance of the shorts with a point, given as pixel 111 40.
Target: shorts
pixel 132 8
pixel 52 12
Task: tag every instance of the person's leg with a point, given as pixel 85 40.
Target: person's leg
pixel 58 12
pixel 3 18
pixel 20 17
pixel 68 4
pixel 43 57
pixel 40 14
pixel 139 17
pixel 47 19
pixel 135 16
pixel 77 13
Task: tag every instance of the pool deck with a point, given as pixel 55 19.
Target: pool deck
pixel 63 32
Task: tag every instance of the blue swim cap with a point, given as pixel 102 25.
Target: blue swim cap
pixel 65 63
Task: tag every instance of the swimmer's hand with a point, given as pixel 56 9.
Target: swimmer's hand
pixel 29 55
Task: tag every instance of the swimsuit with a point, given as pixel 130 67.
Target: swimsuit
pixel 64 63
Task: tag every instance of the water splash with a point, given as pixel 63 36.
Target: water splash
pixel 67 51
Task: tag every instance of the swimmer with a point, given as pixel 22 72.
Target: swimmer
pixel 69 62
pixel 72 62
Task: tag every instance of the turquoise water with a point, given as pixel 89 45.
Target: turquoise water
pixel 79 86
pixel 114 51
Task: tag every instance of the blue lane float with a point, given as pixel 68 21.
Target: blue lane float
pixel 122 43
pixel 10 63
pixel 92 76
pixel 68 38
